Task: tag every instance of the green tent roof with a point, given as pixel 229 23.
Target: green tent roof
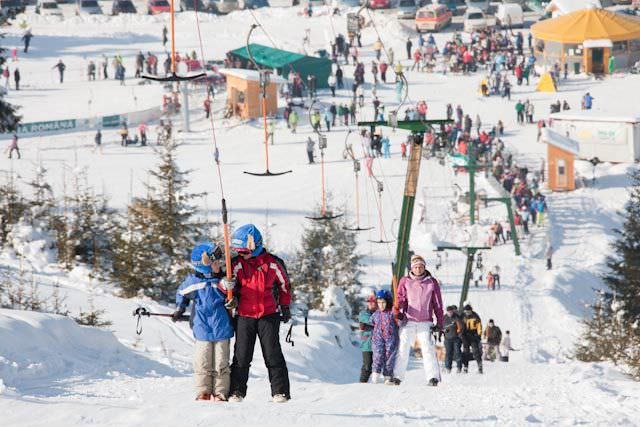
pixel 268 56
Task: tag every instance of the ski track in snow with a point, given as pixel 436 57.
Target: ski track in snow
pixel 540 385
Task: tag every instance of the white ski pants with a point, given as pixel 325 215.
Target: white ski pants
pixel 211 367
pixel 408 334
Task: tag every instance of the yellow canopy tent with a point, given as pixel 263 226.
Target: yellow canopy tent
pixel 587 24
pixel 546 84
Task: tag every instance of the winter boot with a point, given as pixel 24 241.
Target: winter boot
pixel 280 398
pixel 466 370
pixel 433 382
pixel 375 377
pixel 235 398
pixel 204 396
pixel 219 397
pixel 396 381
pixel 388 381
pixel 480 368
pixel 448 371
pixel 459 370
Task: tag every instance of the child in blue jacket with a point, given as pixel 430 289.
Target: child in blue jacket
pixel 366 332
pixel 211 324
pixel 385 339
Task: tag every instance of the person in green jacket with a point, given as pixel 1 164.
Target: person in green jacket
pixel 366 330
pixel 520 112
pixel 612 64
pixel 293 121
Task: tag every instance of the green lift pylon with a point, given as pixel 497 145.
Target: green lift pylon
pixel 417 128
pixel 470 252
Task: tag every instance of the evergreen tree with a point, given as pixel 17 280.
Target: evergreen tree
pixel 9 119
pixel 623 277
pixel 12 207
pixel 612 331
pixel 327 256
pixel 152 255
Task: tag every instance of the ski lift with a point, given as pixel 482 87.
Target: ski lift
pixel 322 145
pixel 381 240
pixel 264 83
pixel 356 170
pixel 173 76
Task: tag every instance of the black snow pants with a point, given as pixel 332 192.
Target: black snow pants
pixel 365 371
pixel 267 330
pixel 472 350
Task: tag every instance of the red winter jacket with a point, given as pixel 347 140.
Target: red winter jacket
pixel 260 280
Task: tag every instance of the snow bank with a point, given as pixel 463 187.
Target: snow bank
pixel 40 353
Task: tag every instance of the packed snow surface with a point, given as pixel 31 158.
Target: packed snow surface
pixel 56 373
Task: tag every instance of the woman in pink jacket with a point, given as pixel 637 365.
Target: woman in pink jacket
pixel 420 310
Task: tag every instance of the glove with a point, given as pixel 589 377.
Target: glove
pixel 228 284
pixel 176 315
pixel 231 304
pixel 401 316
pixel 285 313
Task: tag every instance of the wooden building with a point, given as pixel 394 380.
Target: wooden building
pixel 561 156
pixel 244 95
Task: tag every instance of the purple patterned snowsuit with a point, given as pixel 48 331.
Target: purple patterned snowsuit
pixel 385 342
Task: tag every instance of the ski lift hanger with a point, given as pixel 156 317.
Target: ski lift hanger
pixel 356 171
pixel 322 145
pixel 264 83
pixel 173 76
pixel 380 226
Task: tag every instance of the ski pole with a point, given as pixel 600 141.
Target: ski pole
pixel 141 311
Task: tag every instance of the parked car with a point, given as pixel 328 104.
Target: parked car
pixel 510 15
pixel 88 7
pixel 379 4
pixel 48 7
pixel 122 6
pixel 193 5
pixel 252 4
pixel 475 19
pixel 155 7
pixel 433 18
pixel 283 3
pixel 407 9
pixel 11 7
pixel 224 6
pixel 483 5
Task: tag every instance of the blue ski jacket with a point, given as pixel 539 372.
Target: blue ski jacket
pixel 210 320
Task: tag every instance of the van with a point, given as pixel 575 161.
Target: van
pixel 510 15
pixel 48 7
pixel 475 20
pixel 407 9
pixel 432 18
pixel 88 7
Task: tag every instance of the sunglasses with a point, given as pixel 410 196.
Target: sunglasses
pixel 243 251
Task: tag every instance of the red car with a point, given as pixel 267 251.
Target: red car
pixel 155 7
pixel 379 4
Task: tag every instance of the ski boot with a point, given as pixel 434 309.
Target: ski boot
pixel 204 396
pixel 459 370
pixel 374 378
pixel 280 398
pixel 236 398
pixel 433 382
pixel 218 397
pixel 388 381
pixel 466 370
pixel 480 369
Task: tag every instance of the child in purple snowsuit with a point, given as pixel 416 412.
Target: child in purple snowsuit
pixel 384 339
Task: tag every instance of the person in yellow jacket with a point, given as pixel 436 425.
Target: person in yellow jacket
pixel 377 47
pixel 471 338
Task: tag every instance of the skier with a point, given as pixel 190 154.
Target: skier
pixel 264 296
pixel 385 340
pixel 453 329
pixel 293 120
pixel 105 67
pixel 331 81
pixel 61 67
pixel 587 101
pixel 14 146
pixel 386 147
pixel 16 78
pixel 471 338
pixel 97 139
pixel 26 38
pixel 505 347
pixel 207 108
pixel 310 145
pixel 493 335
pixel 377 48
pixel 271 131
pixel 409 45
pixel 210 322
pixel 164 36
pixel 142 130
pixel 124 135
pixel 419 300
pixel 366 329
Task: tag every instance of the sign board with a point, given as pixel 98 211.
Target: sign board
pixel 49 126
pixel 111 121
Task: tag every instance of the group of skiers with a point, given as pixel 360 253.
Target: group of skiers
pixel 249 303
pixel 387 332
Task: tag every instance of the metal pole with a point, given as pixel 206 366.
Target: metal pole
pixel 186 125
pixel 512 224
pixel 472 184
pixel 404 229
pixel 467 276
